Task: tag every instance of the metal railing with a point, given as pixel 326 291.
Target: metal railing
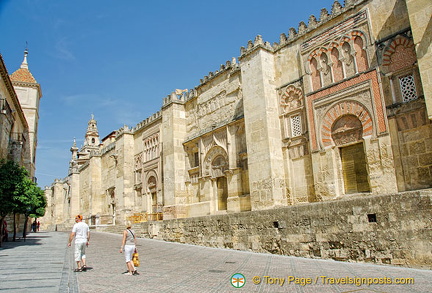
pixel 145 217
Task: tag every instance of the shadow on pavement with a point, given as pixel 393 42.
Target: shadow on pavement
pixel 31 239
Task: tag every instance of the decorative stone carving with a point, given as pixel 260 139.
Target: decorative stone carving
pixel 291 98
pixel 334 124
pixel 336 8
pixel 302 28
pixel 347 129
pixel 152 184
pixel 399 54
pixel 215 162
pixel 138 161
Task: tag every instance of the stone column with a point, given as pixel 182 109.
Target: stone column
pixel 124 180
pixel 420 12
pixel 263 133
pixel 74 189
pixel 173 161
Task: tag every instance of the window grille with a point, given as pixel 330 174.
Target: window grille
pixel 408 88
pixel 296 127
pixel 151 148
pixel 196 159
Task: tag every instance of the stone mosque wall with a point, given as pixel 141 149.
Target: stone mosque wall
pixel 313 146
pixel 384 229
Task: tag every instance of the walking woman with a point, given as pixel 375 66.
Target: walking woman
pixel 129 246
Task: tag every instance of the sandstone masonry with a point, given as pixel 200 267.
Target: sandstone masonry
pixel 309 146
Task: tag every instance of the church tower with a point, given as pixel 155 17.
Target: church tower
pixel 92 134
pixel 73 164
pixel 91 141
pixel 29 94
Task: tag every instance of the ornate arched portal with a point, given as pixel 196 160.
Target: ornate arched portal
pixel 155 202
pixel 347 132
pixel 345 125
pixel 215 165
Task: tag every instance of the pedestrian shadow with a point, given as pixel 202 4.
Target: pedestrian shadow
pixel 31 239
pixel 87 269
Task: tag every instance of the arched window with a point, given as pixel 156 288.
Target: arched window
pixel 350 69
pixel 399 59
pixel 316 80
pixel 337 65
pixel 326 77
pixel 361 58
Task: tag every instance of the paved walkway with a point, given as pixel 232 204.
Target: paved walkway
pixel 40 264
pixel 44 264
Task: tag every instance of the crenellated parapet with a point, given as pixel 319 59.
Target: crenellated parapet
pixel 229 66
pixel 147 121
pixel 124 130
pixel 303 28
pixel 252 46
pixel 182 96
pixel 177 96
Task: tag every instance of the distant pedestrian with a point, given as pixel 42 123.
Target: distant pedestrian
pixel 38 226
pixel 34 226
pixel 5 232
pixel 129 247
pixel 81 233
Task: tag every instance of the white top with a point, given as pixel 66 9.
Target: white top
pixel 81 230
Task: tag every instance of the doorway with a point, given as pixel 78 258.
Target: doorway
pixel 222 193
pixel 354 169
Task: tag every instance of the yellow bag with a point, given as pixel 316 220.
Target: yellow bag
pixel 135 259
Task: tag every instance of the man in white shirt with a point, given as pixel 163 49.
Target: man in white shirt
pixel 81 233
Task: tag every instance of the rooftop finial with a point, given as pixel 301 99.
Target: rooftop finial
pixel 24 64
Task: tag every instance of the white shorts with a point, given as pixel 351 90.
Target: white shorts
pixel 128 251
pixel 80 250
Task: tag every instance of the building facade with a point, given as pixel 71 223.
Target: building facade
pixel 20 95
pixel 19 115
pixel 339 107
pixel 29 93
pixel 14 130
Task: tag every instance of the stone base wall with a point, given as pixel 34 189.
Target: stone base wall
pixel 391 229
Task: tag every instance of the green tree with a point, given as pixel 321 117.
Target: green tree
pixel 19 194
pixel 10 175
pixel 29 200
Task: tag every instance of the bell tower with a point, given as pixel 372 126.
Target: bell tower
pixel 91 141
pixel 29 94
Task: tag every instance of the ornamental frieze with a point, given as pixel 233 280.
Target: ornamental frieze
pixel 215 162
pixel 290 99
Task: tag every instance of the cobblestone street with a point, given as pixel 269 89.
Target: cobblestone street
pixel 44 264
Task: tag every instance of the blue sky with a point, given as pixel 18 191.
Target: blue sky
pixel 118 59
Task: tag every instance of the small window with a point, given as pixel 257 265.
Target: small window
pixel 137 176
pixel 408 88
pixel 296 127
pixel 372 218
pixel 196 159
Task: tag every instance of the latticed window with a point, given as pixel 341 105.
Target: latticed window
pixel 196 159
pixel 138 176
pixel 296 127
pixel 151 148
pixel 408 88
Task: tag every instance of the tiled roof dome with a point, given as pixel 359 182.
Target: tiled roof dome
pixel 23 75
